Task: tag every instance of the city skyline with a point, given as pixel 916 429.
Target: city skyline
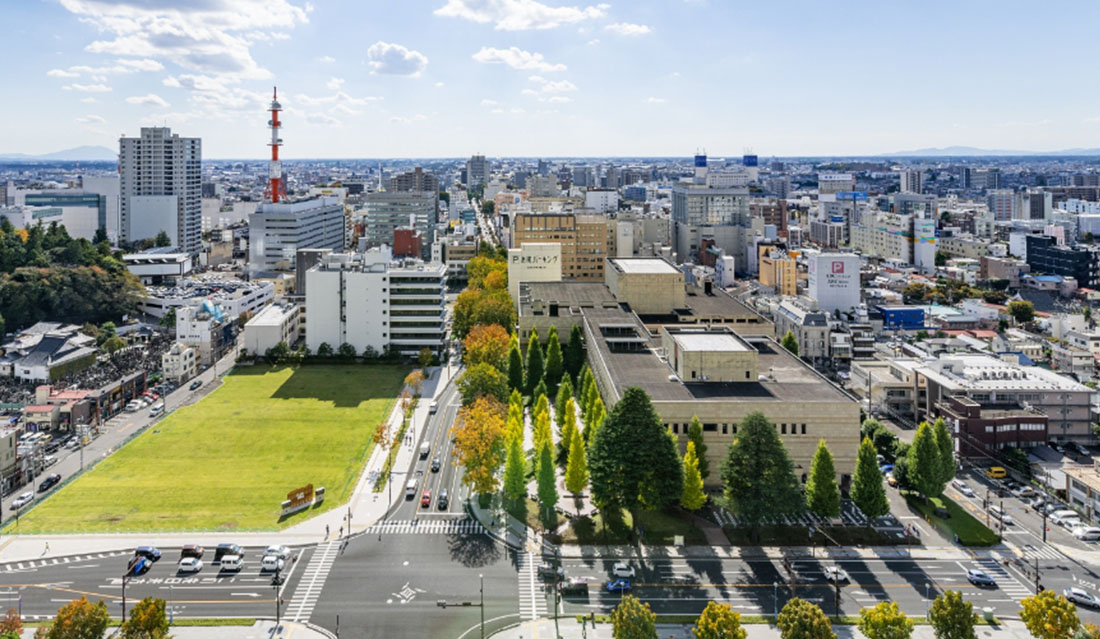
pixel 524 78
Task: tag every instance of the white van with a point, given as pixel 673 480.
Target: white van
pixel 1058 515
pixel 425 450
pixel 1087 533
pixel 232 563
pixel 410 489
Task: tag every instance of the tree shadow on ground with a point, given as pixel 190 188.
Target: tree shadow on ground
pixel 473 551
pixel 344 386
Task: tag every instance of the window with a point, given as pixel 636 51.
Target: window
pixel 675 429
pixel 725 429
pixel 803 429
pixel 710 428
pixel 783 429
pixel 747 373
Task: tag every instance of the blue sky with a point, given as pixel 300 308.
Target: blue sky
pixel 441 78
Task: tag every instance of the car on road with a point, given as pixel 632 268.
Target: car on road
pixel 271 563
pixel 618 585
pixel 189 564
pixel 444 499
pixel 621 569
pixel 22 500
pixel 574 586
pixel 72 443
pixel 195 384
pixel 1087 533
pixel 963 488
pixel 1060 449
pixel 997 472
pixel 52 448
pixel 435 464
pixel 226 550
pixel 891 480
pixel 1069 523
pixel 138 566
pixel 979 578
pixel 1081 598
pixel 282 552
pixel 1023 491
pixel 426 499
pixel 49 482
pixel 232 563
pixel 548 570
pixel 1038 504
pixel 1000 514
pixel 836 574
pixel 191 550
pixel 151 553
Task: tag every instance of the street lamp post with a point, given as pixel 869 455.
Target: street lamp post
pixel 276 582
pixel 481 577
pixel 169 604
pixel 775 594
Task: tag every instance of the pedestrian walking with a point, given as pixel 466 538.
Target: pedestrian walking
pixel 341 531
pixel 326 531
pixel 47 546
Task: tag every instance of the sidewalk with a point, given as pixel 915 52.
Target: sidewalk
pixel 570 629
pixel 365 506
pixel 263 629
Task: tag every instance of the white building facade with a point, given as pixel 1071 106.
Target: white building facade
pixel 160 188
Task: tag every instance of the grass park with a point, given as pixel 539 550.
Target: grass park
pixel 228 461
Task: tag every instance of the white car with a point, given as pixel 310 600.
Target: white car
pixel 620 569
pixel 963 488
pixel 271 563
pixel 1081 598
pixel 22 500
pixel 189 564
pixel 836 575
pixel 1070 523
pixel 282 552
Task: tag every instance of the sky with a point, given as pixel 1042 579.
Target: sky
pixel 450 78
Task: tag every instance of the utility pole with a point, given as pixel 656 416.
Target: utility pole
pixel 276 582
pixel 1038 588
pixel 836 587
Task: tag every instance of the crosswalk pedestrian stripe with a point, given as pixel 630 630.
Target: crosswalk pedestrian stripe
pixel 426 527
pixel 312 581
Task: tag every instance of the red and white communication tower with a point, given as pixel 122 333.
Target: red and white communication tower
pixel 276 188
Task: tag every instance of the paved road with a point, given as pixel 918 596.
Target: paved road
pixel 39 588
pixel 437 436
pixel 684 586
pixel 115 431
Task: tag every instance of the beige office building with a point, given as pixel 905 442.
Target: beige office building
pixel 583 238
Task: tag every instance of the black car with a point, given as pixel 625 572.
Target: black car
pixel 49 482
pixel 149 552
pixel 52 447
pixel 227 549
pixel 195 384
pixel 191 550
pixel 435 465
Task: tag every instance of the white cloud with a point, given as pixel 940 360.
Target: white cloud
pixel 122 65
pixel 653 100
pixel 560 99
pixel 89 100
pixel 150 99
pixel 550 86
pixel 337 98
pixel 322 119
pixel 629 29
pixel 438 84
pixel 62 73
pixel 345 109
pixel 327 59
pixel 416 117
pixel 497 111
pixel 488 102
pixel 142 64
pixel 394 59
pixel 517 111
pixel 517 59
pixel 87 88
pixel 91 119
pixel 594 41
pixel 335 83
pixel 519 15
pixel 208 36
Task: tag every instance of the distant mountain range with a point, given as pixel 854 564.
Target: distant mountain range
pixel 976 152
pixel 77 154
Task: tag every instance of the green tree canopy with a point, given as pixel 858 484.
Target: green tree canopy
pixel 1049 615
pixel 573 356
pixel 822 493
pixel 1021 311
pixel 952 617
pixel 692 496
pixel 547 484
pixel 885 621
pixel 718 621
pixel 554 364
pixel 576 469
pixel 482 380
pixel 695 434
pixel 534 363
pixel 631 461
pixel 148 620
pixel 759 475
pixel 867 490
pixel 80 619
pixel 946 447
pixel 800 619
pixel 925 472
pixel 515 365
pixel 632 619
pixel 515 471
pixel 790 342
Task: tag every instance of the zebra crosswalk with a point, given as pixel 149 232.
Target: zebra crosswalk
pixel 849 515
pixel 1043 551
pixel 1006 582
pixel 18 566
pixel 312 581
pixel 532 603
pixel 463 526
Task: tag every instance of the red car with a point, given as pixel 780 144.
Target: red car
pixel 426 499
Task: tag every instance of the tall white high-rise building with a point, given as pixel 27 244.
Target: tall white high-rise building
pixel 477 171
pixel 912 180
pixel 160 188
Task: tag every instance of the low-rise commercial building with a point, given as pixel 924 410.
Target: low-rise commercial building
pixel 981 432
pixel 275 323
pixel 180 362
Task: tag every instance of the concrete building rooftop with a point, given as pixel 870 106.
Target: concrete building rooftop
pixel 645 265
pixel 709 341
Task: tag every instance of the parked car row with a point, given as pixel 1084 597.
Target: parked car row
pixel 228 557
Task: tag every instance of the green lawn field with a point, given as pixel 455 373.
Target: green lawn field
pixel 227 462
